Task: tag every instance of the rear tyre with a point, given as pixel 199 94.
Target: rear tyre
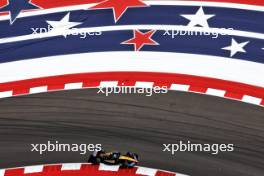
pixel 97 160
pixel 125 164
pixel 94 160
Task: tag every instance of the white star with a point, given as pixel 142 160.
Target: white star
pixel 236 47
pixel 63 25
pixel 198 19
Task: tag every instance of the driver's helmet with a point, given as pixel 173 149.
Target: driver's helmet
pixel 130 154
pixel 98 153
pixel 115 155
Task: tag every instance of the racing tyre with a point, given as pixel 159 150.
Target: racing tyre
pixel 94 160
pixel 128 164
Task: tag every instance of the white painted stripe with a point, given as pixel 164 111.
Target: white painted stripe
pixel 178 174
pixel 144 84
pixel 38 89
pixel 6 94
pixel 158 2
pixel 206 4
pixel 33 169
pixel 146 171
pixel 215 92
pixel 2 172
pixel 190 64
pixel 108 84
pixel 134 27
pixel 71 166
pixel 180 87
pixel 49 11
pixel 104 167
pixel 252 100
pixel 70 86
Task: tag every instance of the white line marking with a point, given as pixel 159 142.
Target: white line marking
pixel 33 169
pixel 144 84
pixel 252 100
pixel 206 4
pixel 2 172
pixel 146 171
pixel 6 94
pixel 38 89
pixel 215 92
pixel 49 11
pixel 178 174
pixel 108 84
pixel 104 167
pixel 189 64
pixel 70 86
pixel 71 166
pixel 180 87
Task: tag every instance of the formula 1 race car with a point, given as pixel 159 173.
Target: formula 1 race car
pixel 114 158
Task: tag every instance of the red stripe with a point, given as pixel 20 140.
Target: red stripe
pixel 59 3
pixel 52 168
pixel 21 91
pixel 197 89
pixel 197 84
pixel 91 83
pixel 233 95
pixel 162 173
pixel 12 172
pixel 55 86
pixel 52 3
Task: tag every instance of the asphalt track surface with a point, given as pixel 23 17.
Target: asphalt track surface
pixel 135 123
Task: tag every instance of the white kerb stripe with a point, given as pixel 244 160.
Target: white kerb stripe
pixel 2 172
pixel 180 87
pixel 73 86
pixel 33 169
pixel 206 4
pixel 6 94
pixel 192 64
pixel 69 166
pixel 215 92
pixel 146 171
pixel 144 84
pixel 178 174
pixel 104 167
pixel 250 99
pixel 38 89
pixel 108 84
